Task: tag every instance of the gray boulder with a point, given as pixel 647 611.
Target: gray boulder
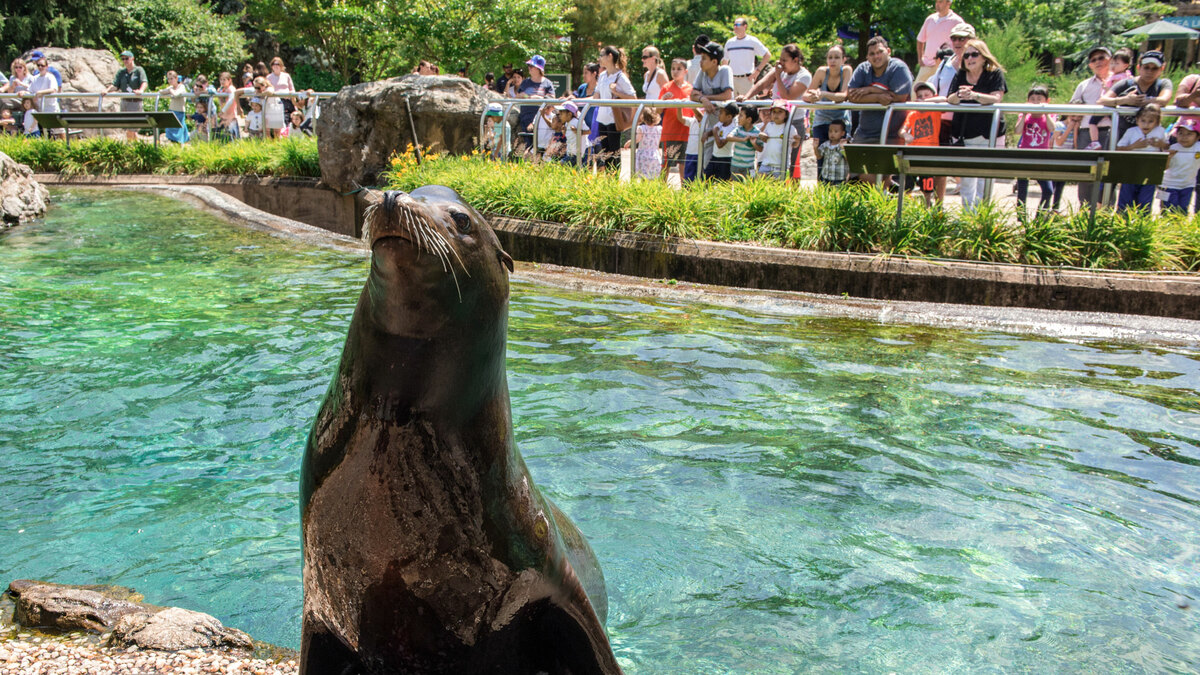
pixel 173 629
pixel 21 197
pixel 83 70
pixel 120 610
pixel 365 124
pixel 69 607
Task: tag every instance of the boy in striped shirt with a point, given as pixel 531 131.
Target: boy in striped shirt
pixel 745 142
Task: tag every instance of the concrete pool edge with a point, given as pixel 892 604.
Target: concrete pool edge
pixel 742 266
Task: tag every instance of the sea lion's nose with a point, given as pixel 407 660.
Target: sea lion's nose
pixel 391 198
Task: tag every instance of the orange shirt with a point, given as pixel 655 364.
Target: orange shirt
pixel 924 127
pixel 673 129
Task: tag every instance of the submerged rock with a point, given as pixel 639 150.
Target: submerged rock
pixel 21 197
pixel 364 125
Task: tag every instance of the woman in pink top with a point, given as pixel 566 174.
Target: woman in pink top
pixel 1037 133
pixel 276 110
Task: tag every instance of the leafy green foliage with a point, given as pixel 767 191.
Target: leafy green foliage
pixel 107 156
pixel 25 24
pixel 179 35
pixel 855 218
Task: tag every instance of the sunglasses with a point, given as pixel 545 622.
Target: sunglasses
pixel 958 38
pixel 739 23
pixel 647 56
pixel 971 55
pixel 1094 59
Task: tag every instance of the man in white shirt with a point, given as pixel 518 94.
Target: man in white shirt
pixel 41 87
pixel 935 33
pixel 746 56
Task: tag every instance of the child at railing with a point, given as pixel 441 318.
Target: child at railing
pixel 834 167
pixel 774 159
pixel 718 168
pixel 1179 180
pixel 1036 133
pixel 254 118
pixel 1147 136
pixel 558 137
pixel 200 117
pixel 573 133
pixel 746 140
pixel 649 138
pixel 30 124
pixel 8 124
pixel 691 154
pixel 923 127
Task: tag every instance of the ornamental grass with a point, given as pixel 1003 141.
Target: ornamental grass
pixel 847 218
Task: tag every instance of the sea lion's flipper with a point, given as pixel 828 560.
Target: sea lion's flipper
pixel 583 560
pixel 323 653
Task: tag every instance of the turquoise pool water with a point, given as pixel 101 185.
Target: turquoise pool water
pixel 767 494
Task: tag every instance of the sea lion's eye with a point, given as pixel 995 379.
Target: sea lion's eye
pixel 462 220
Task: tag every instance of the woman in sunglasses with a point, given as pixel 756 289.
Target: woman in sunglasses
pixel 979 82
pixel 656 76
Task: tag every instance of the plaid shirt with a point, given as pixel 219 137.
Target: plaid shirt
pixel 833 162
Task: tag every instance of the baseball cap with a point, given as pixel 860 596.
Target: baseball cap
pixel 127 53
pixel 714 50
pixel 1189 123
pixel 923 84
pixel 1153 56
pixel 778 103
pixel 963 30
pixel 36 54
pixel 537 61
pixel 1105 50
pixel 570 107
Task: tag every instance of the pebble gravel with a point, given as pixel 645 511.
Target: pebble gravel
pixel 28 654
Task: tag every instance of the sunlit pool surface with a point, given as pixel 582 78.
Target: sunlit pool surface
pixel 767 494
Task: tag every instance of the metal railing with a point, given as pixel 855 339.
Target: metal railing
pixel 158 96
pixel 997 110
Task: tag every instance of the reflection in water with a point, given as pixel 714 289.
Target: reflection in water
pixel 766 494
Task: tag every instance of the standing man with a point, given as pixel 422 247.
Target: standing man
pixel 1135 92
pixel 42 86
pixel 935 32
pixel 880 79
pixel 537 85
pixel 714 83
pixel 746 56
pixel 1089 92
pixel 130 80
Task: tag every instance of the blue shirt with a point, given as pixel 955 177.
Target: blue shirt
pixel 545 88
pixel 896 78
pixel 581 92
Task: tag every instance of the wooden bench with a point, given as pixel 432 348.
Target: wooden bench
pixel 1077 166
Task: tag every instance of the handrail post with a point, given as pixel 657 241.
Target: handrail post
pixel 579 137
pixel 504 127
pixel 883 138
pixel 989 182
pixel 482 127
pixel 1106 190
pixel 787 137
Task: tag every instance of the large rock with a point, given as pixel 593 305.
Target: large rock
pixel 83 70
pixel 70 607
pixel 21 197
pixel 173 629
pixel 120 610
pixel 365 124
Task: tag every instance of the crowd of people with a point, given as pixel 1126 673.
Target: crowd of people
pixel 261 102
pixel 728 138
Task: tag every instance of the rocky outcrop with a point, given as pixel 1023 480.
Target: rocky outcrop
pixel 83 70
pixel 103 609
pixel 365 124
pixel 173 629
pixel 21 197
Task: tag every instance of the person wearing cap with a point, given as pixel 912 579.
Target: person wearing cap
pixel 502 81
pixel 1136 92
pixel 935 32
pixel 130 79
pixel 537 85
pixel 573 137
pixel 42 86
pixel 1088 92
pixel 36 56
pixel 745 55
pixel 1183 164
pixel 713 85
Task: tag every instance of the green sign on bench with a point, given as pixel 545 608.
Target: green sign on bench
pixel 1080 166
pixel 156 120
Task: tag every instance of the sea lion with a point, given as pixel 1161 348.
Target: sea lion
pixel 427 547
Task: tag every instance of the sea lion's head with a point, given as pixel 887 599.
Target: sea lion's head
pixel 436 265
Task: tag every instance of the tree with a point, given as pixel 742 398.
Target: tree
pixel 179 35
pixel 26 24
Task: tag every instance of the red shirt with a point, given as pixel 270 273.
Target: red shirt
pixel 924 126
pixel 673 129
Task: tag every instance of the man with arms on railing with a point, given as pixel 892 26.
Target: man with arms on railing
pixel 130 79
pixel 1136 92
pixel 713 84
pixel 880 79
